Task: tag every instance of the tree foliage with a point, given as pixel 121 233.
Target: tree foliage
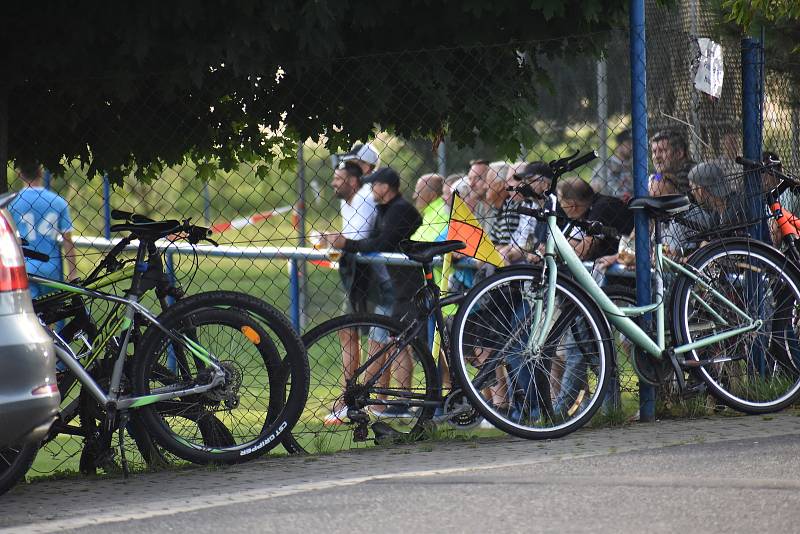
pixel 745 12
pixel 136 86
pixel 781 22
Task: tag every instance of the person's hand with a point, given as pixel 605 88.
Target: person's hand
pixel 333 240
pixel 533 257
pixel 606 261
pixel 510 253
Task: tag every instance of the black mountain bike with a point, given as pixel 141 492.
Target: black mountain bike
pixel 394 389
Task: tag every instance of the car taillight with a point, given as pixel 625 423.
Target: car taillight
pixel 45 390
pixel 12 263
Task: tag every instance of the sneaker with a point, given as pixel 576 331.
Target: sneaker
pixel 486 425
pixel 336 417
pixel 395 411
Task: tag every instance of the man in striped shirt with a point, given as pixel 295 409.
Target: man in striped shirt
pixel 502 218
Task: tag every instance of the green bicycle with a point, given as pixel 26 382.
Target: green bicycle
pixel 734 324
pixel 217 377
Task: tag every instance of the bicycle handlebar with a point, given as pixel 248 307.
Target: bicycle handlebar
pixel 592 228
pixel 789 181
pixel 580 162
pixel 32 254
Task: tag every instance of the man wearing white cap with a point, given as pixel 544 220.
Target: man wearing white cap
pixel 365 156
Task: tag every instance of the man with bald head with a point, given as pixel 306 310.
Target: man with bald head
pixel 429 202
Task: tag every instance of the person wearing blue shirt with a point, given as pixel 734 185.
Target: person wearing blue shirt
pixel 42 218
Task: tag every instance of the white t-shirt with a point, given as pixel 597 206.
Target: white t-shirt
pixel 358 216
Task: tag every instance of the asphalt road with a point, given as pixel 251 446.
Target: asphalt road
pixel 737 474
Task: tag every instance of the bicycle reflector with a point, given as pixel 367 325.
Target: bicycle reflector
pixel 12 263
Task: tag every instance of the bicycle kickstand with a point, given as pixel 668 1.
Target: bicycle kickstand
pixel 680 367
pixel 123 422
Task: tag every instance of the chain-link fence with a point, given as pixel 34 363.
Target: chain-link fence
pixel 269 216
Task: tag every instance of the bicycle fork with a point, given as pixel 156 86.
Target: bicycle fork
pixel 543 306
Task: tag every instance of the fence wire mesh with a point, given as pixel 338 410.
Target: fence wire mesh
pixel 261 204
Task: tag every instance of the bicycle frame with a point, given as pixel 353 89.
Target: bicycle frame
pixel 111 324
pixel 621 317
pixel 132 307
pixel 405 337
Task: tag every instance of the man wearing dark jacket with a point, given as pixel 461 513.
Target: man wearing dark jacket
pixel 396 220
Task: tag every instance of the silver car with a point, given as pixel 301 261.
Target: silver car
pixel 29 397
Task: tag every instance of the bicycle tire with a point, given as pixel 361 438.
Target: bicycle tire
pixel 275 342
pixel 15 463
pixel 489 338
pixel 763 374
pixel 324 348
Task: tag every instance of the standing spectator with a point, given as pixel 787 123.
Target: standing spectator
pixel 614 177
pixel 42 218
pixel 429 202
pixel 502 218
pixel 477 177
pixel 514 251
pixel 358 210
pixel 365 156
pixel 580 202
pixel 671 161
pixel 396 220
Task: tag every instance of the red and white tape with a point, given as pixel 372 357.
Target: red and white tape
pixel 241 222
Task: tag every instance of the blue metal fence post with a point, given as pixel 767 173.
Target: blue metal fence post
pixel 106 207
pixel 294 294
pixel 752 132
pixel 752 124
pixel 647 393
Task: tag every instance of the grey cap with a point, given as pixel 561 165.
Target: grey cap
pixel 710 177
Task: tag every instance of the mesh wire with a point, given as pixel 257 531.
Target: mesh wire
pixel 262 204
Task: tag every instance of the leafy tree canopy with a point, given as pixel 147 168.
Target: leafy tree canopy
pixel 781 22
pixel 745 12
pixel 136 86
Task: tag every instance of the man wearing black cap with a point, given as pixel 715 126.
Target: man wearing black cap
pixel 529 233
pixel 396 220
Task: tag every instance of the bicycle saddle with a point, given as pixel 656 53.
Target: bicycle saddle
pixel 424 251
pixel 661 207
pixel 148 229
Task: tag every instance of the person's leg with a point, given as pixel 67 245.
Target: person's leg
pixel 351 353
pixel 573 380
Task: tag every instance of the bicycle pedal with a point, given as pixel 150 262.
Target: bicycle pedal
pixel 385 435
pixel 677 366
pixel 360 433
pixel 693 390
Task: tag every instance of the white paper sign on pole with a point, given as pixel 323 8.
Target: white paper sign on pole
pixel 710 69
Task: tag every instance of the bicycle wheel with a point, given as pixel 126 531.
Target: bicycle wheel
pixel 14 463
pixel 264 391
pixel 532 393
pixel 350 340
pixel 757 371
